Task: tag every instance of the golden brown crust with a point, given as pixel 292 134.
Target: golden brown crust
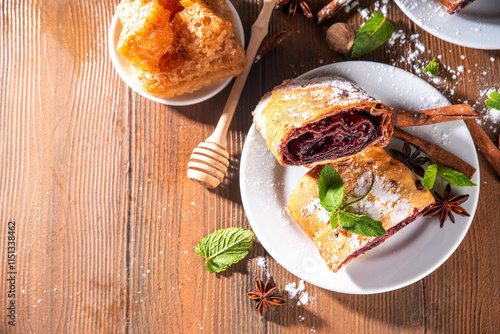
pixel 297 103
pixel 393 199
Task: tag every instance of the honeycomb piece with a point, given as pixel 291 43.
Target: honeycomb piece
pixel 146 36
pixel 182 75
pixel 220 7
pixel 205 50
pixel 127 8
pixel 170 57
pixel 201 32
pixel 174 6
pixel 168 84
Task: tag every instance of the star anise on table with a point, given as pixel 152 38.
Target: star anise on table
pixel 266 296
pixel 445 206
pixel 410 160
pixel 292 6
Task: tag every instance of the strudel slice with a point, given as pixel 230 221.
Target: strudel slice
pixel 454 6
pixel 308 122
pixel 397 199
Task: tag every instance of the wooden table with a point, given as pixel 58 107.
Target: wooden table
pixel 106 221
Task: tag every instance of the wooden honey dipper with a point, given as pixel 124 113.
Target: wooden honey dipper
pixel 209 161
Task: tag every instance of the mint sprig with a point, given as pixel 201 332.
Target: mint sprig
pixel 450 175
pixel 431 68
pixel 362 225
pixel 330 189
pixel 454 177
pixel 331 193
pixel 224 247
pixel 375 32
pixel 493 100
pixel 430 176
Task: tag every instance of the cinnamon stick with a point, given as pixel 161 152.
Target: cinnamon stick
pixel 435 115
pixel 437 153
pixel 484 144
pixel 329 10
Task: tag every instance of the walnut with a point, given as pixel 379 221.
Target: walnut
pixel 340 38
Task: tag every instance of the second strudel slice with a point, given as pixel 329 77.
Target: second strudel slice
pixel 397 199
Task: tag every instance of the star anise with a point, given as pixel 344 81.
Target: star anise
pixel 266 296
pixel 411 160
pixel 292 5
pixel 446 205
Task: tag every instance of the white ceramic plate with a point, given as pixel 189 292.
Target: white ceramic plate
pixel 406 257
pixel 476 26
pixel 125 72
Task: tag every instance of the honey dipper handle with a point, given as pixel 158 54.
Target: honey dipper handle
pixel 259 31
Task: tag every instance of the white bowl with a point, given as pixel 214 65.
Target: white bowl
pixel 125 72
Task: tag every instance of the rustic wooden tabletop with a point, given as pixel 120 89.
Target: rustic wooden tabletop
pixel 106 221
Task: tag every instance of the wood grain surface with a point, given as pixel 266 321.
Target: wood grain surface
pixel 94 176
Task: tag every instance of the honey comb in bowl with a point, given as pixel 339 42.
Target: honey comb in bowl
pixel 131 74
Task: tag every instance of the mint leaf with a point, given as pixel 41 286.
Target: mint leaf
pixel 348 221
pixel 431 68
pixel 362 225
pixel 224 247
pixel 493 100
pixel 330 188
pixel 430 176
pixel 335 218
pixel 454 177
pixel 375 32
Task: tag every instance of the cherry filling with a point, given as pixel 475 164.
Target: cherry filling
pixel 333 137
pixel 377 241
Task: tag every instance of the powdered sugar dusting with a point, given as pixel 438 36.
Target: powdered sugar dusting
pixel 448 80
pixel 402 209
pixel 493 115
pixel 383 200
pixel 294 291
pixel 354 241
pixel 314 206
pixel 303 299
pixel 310 207
pixel 382 8
pixel 338 89
pixel 350 6
pixel 323 215
pixel 261 261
